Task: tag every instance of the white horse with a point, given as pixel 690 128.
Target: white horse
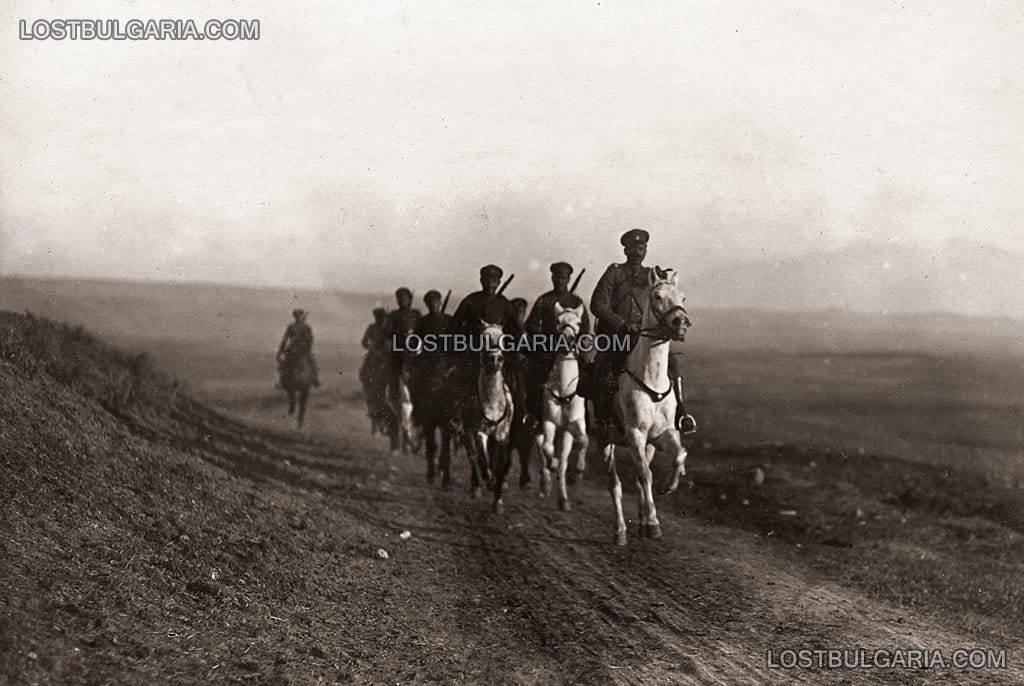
pixel 646 405
pixel 564 420
pixel 405 436
pixel 495 416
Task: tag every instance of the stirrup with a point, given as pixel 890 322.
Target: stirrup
pixel 687 424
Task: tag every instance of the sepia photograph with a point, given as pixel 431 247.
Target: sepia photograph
pixel 448 342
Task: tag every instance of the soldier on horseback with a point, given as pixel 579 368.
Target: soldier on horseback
pixel 487 305
pixel 399 322
pixel 427 362
pixel 616 303
pixel 543 320
pixel 372 373
pixel 296 344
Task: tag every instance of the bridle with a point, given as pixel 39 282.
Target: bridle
pixel 662 331
pixel 570 355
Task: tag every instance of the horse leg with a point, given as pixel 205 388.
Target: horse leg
pixel 502 461
pixel 637 442
pixel 303 396
pixel 670 443
pixel 291 402
pixel 548 445
pixel 615 488
pixel 565 447
pixel 524 444
pixel 578 430
pixel 545 475
pixel 447 438
pixel 473 450
pixel 647 500
pixel 430 444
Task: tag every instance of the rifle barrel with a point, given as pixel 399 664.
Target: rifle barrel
pixel 444 305
pixel 505 285
pixel 577 281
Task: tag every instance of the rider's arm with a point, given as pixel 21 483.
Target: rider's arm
pixel 284 340
pixel 601 302
pixel 533 321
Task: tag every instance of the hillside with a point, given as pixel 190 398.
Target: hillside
pixel 148 538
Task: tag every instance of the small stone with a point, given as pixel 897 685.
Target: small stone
pixel 32 655
pixel 405 535
pixel 860 513
pixel 758 476
pixel 382 554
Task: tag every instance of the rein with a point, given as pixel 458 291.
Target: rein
pixel 657 332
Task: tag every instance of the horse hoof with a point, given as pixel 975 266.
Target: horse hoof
pixel 620 538
pixel 476 492
pixel 564 505
pixel 654 531
pixel 499 507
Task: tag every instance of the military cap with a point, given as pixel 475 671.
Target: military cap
pixel 518 302
pixel 635 236
pixel 298 312
pixel 402 290
pixel 491 271
pixel 379 312
pixel 431 295
pixel 561 267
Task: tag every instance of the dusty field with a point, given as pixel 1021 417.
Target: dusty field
pixel 147 536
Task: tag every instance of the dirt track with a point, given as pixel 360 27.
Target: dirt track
pixel 160 541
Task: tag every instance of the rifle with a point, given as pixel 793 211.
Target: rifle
pixel 505 285
pixel 577 281
pixel 444 305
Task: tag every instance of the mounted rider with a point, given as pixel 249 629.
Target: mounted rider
pixel 487 305
pixel 543 320
pixel 297 343
pixel 399 322
pixel 617 303
pixel 428 362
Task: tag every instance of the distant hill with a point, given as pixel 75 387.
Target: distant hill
pixel 881 278
pixel 179 317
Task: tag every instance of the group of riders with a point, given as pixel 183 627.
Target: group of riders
pixel 616 303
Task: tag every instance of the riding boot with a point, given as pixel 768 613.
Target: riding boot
pixel 598 428
pixel 684 422
pixel 316 371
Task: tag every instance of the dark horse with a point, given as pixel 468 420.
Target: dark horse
pixel 435 409
pixel 297 376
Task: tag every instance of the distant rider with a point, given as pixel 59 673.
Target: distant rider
pixel 297 343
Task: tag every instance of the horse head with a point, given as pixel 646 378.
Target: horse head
pixel 491 356
pixel 666 304
pixel 567 323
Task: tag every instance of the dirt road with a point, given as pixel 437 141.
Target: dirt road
pixel 152 539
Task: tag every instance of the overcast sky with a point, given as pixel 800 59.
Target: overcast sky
pixel 361 141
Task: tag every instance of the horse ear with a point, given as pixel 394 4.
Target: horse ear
pixel 578 310
pixel 484 323
pixel 558 308
pixel 674 280
pixel 652 277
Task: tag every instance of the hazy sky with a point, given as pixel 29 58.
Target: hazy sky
pixel 360 142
